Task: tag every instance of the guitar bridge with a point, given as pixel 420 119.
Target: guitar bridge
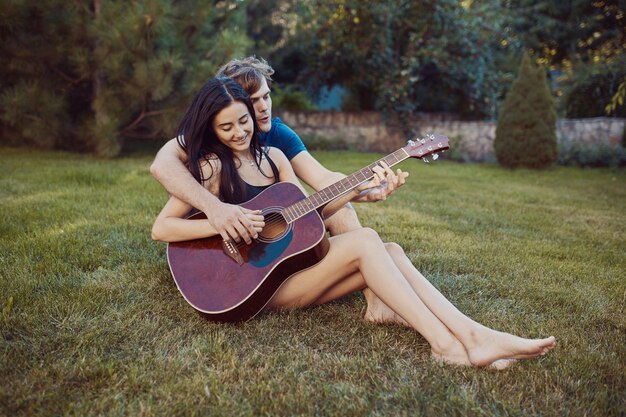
pixel 230 249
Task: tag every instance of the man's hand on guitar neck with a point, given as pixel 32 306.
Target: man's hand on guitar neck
pixel 233 222
pixel 385 183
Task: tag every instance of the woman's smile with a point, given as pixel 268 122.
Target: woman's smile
pixel 234 126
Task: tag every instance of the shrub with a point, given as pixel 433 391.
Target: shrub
pixel 591 155
pixel 593 88
pixel 526 128
pixel 457 151
pixel 290 98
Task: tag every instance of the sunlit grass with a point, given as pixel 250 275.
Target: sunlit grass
pixel 92 323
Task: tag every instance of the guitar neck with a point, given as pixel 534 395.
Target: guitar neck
pixel 341 187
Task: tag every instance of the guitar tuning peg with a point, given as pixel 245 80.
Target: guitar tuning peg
pixel 435 157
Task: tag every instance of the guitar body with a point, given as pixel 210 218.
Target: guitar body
pixel 223 288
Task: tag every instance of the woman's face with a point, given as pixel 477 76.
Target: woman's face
pixel 234 127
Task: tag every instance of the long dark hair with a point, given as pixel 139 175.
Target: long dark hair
pixel 196 136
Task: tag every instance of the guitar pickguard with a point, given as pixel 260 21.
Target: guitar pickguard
pixel 262 254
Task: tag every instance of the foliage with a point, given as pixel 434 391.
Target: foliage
pixel 571 32
pixel 115 69
pixel 581 41
pixel 617 100
pixel 592 87
pixel 273 26
pixel 289 97
pixel 461 151
pixel 402 57
pixel 526 128
pixel 92 323
pixel 591 155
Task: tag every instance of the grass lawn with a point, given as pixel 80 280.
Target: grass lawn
pixel 92 323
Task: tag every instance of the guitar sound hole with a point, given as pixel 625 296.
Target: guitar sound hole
pixel 275 226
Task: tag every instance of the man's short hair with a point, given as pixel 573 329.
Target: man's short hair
pixel 248 72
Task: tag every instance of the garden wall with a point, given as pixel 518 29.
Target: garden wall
pixel 472 140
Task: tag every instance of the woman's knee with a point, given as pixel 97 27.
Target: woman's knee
pixel 359 243
pixel 367 236
pixel 394 249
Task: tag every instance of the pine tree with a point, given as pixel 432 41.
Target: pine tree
pixel 526 128
pixel 86 75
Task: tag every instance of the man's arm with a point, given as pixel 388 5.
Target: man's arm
pixel 309 170
pixel 169 169
pixel 316 175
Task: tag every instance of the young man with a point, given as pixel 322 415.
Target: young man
pixel 254 75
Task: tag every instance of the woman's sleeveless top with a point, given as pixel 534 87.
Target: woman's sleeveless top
pixel 252 191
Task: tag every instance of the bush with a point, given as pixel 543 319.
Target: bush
pixel 591 155
pixel 457 151
pixel 526 129
pixel 592 89
pixel 290 98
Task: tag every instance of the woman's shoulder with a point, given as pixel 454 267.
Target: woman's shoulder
pixel 211 167
pixel 276 154
pixel 211 160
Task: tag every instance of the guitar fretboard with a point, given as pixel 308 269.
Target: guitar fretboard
pixel 341 187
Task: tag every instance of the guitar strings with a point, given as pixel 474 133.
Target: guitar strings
pixel 273 220
pixel 274 223
pixel 277 219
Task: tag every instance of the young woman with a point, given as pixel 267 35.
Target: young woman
pixel 220 139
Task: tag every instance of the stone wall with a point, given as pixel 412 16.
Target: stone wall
pixel 471 140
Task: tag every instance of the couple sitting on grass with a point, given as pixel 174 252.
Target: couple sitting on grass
pixel 228 149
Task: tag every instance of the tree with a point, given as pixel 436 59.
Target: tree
pixel 592 87
pixel 617 101
pixel 582 41
pixel 526 128
pixel 86 75
pixel 403 57
pixel 568 33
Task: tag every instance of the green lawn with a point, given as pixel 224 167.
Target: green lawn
pixel 92 323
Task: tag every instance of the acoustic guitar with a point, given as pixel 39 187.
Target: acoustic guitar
pixel 230 282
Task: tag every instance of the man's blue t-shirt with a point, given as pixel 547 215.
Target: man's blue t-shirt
pixel 282 137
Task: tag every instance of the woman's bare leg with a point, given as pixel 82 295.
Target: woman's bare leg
pixel 483 345
pixel 381 275
pixel 377 311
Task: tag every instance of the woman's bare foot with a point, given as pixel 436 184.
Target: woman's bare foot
pixel 453 353
pixel 489 346
pixel 461 359
pixel 379 312
pixel 501 364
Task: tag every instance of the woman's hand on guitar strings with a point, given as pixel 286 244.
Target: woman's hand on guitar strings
pixel 233 222
pixel 256 219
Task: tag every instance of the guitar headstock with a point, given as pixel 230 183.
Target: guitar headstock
pixel 430 144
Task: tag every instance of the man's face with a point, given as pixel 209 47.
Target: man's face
pixel 262 103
